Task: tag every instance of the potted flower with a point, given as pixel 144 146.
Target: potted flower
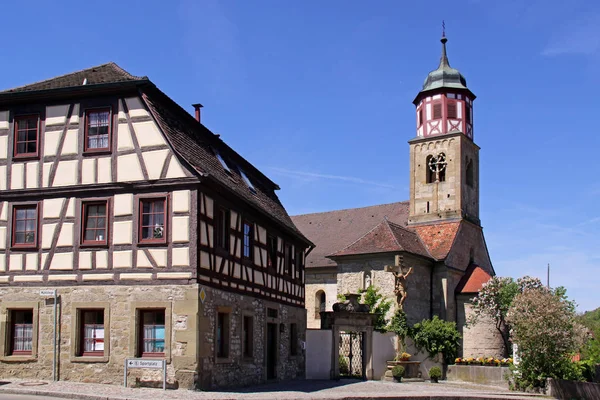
pixel 398 373
pixel 458 361
pixel 404 356
pixel 435 373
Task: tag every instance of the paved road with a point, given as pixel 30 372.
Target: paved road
pixel 24 397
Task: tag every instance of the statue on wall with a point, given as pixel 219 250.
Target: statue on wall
pixel 400 285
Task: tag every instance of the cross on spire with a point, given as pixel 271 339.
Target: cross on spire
pixel 443 29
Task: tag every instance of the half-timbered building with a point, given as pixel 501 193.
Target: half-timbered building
pixel 160 241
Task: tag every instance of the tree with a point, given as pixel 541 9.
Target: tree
pixel 437 336
pixel 494 300
pixel 544 327
pixel 379 305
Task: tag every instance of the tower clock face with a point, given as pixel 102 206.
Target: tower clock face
pixel 438 163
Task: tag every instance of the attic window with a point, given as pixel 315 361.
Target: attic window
pixel 222 161
pixel 245 178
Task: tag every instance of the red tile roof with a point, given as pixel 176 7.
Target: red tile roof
pixel 438 237
pixel 334 230
pixel 385 237
pixel 473 280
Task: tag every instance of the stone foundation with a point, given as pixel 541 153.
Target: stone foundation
pixel 478 374
pixel 189 336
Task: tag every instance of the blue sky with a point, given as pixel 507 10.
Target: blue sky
pixel 318 95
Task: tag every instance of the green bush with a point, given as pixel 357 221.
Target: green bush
pixel 437 336
pixel 344 369
pixel 435 372
pixel 398 372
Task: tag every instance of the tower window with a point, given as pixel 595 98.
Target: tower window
pixel 437 111
pixel 420 122
pixel 451 110
pixel 469 173
pixel 467 113
pixel 436 168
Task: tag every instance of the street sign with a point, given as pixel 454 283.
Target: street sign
pixel 141 363
pixel 47 292
pixel 144 363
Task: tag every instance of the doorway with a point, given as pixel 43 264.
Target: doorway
pixel 271 351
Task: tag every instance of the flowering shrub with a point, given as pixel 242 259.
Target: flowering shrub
pixel 495 298
pixel 484 361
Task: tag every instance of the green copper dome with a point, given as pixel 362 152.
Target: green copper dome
pixel 444 76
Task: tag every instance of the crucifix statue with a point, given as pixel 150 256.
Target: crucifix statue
pixel 400 280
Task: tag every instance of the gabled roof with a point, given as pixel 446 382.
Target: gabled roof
pixel 191 140
pixel 473 280
pixel 334 230
pixel 105 73
pixel 438 237
pixel 198 146
pixel 385 237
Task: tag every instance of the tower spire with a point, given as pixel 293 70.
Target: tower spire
pixel 444 58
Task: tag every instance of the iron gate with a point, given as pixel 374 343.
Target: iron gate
pixel 351 360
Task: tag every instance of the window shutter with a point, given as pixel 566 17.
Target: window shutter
pixel 452 110
pixel 437 111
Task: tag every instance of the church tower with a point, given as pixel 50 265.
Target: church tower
pixel 444 160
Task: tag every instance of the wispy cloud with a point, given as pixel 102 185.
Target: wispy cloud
pixel 589 221
pixel 320 176
pixel 578 36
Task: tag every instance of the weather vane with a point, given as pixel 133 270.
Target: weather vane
pixel 443 29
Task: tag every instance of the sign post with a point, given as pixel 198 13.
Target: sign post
pixel 144 363
pixel 52 293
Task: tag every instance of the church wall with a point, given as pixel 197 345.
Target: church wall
pixel 481 339
pixel 469 244
pixel 317 281
pixel 353 273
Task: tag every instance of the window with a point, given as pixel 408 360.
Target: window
pixel 320 302
pixel 248 182
pixel 271 251
pixel 298 265
pixel 467 113
pixel 248 239
pixel 222 335
pixel 470 173
pixel 152 333
pixel 293 339
pixel 92 333
pixel 21 332
pixel 222 228
pixel 437 111
pixel 26 136
pixel 287 265
pixel 94 223
pixel 97 130
pixel 247 336
pixel 420 122
pixel 152 220
pixel 451 110
pixel 429 173
pixel 25 226
pixel 222 161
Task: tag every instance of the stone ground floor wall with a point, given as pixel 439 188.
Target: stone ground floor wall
pixel 121 306
pixel 236 369
pixel 484 375
pixel 190 330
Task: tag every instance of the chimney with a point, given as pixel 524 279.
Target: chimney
pixel 197 108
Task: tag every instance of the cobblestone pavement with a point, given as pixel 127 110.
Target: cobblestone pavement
pixel 345 389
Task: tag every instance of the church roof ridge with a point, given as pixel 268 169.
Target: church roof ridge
pixel 352 208
pixel 412 232
pixel 360 238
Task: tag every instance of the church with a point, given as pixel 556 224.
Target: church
pixel 435 237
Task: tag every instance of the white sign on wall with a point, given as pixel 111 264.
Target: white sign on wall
pixel 142 363
pixel 47 292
